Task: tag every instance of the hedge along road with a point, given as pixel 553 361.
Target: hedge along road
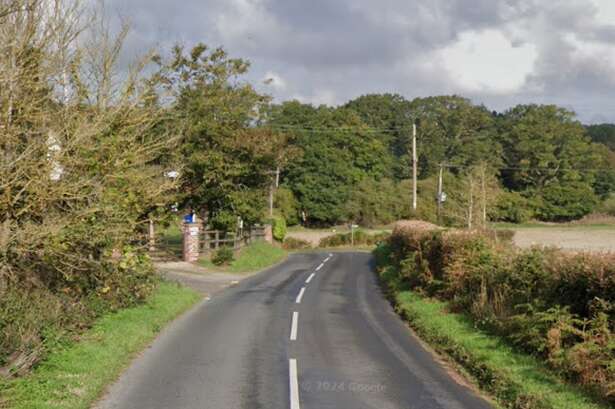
pixel 314 332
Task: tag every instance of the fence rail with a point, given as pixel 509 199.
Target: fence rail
pixel 212 240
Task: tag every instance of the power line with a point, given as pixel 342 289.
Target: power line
pixel 544 168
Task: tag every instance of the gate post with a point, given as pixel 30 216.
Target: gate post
pixel 192 231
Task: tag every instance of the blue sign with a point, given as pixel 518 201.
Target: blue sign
pixel 190 218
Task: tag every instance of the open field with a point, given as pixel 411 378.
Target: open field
pixel 585 238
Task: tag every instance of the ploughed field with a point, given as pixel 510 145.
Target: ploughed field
pixel 595 239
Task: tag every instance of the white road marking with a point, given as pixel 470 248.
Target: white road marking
pixel 294 325
pixel 310 278
pixel 294 384
pixel 320 266
pixel 300 296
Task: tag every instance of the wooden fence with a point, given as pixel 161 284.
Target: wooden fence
pixel 212 240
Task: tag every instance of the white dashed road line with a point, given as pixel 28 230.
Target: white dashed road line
pixel 294 384
pixel 293 327
pixel 300 296
pixel 310 278
pixel 320 266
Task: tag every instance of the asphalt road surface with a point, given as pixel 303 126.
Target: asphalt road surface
pixel 314 332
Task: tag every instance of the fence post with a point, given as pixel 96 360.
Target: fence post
pixel 268 230
pixel 206 241
pixel 217 240
pixel 191 241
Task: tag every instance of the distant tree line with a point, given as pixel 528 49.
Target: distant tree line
pixel 536 161
pixel 353 163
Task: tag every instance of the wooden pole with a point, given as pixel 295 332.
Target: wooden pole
pixel 440 183
pixel 414 168
pixel 152 235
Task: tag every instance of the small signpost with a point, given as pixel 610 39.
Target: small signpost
pixel 352 228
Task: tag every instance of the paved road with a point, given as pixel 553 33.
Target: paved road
pixel 277 341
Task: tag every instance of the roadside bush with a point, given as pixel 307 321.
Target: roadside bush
pixel 291 243
pixel 566 202
pixel 512 207
pixel 279 229
pixel 80 175
pixel 346 239
pixel 608 206
pixel 223 256
pixel 287 205
pixel 555 305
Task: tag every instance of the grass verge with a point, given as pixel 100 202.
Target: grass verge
pixel 514 379
pixel 255 257
pixel 76 374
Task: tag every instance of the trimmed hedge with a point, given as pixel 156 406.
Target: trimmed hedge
pixel 557 306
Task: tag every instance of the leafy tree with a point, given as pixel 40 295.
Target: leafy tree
pixel 338 151
pixel 373 202
pixel 455 132
pixel 287 205
pixel 603 133
pixel 604 182
pixel 544 145
pixel 390 117
pixel 228 160
pixel 565 202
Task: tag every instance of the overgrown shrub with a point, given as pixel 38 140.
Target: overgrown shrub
pixel 608 206
pixel 346 239
pixel 512 207
pixel 291 243
pixel 279 228
pixel 555 305
pixel 223 256
pixel 566 202
pixel 82 171
pixel 287 205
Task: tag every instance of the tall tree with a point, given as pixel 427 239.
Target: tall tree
pixel 454 131
pixel 228 159
pixel 339 150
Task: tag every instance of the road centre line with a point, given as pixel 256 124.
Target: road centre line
pixel 294 384
pixel 320 266
pixel 300 296
pixel 310 278
pixel 294 325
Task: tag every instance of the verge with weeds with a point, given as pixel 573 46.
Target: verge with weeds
pixel 254 257
pixel 544 308
pixel 75 373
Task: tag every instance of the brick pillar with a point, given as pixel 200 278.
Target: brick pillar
pixel 192 231
pixel 269 233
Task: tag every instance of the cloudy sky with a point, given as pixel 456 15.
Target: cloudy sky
pixel 497 52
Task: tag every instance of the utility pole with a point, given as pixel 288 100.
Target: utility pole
pixel 274 186
pixel 440 182
pixel 414 168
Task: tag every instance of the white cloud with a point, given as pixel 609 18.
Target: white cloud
pixel 488 62
pixel 605 11
pixel 275 81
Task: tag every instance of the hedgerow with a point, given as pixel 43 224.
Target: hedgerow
pixel 360 238
pixel 557 306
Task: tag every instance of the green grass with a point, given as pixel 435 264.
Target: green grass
pixel 75 375
pixel 508 375
pixel 255 257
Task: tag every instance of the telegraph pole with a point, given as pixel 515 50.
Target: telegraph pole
pixel 414 168
pixel 274 186
pixel 440 182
